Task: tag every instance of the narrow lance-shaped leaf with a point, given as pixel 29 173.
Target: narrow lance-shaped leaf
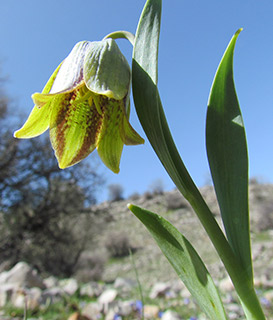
pixel 147 101
pixel 184 260
pixel 151 115
pixel 228 159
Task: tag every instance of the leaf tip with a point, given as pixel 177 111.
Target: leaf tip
pixel 18 134
pixel 239 31
pixel 115 170
pixel 130 206
pixel 62 165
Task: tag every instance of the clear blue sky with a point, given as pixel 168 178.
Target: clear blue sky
pixel 36 36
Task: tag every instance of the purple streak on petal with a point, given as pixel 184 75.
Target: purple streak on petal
pixel 71 71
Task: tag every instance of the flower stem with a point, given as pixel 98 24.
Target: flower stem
pixel 180 176
pixel 243 285
pixel 121 35
pixel 155 125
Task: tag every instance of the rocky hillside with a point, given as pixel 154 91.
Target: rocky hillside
pixel 106 260
pixel 151 264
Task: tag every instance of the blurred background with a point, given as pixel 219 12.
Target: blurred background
pixel 75 222
pixel 37 35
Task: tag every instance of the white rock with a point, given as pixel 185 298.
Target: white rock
pixel 91 289
pixel 23 276
pixel 170 315
pixel 92 310
pixel 225 285
pixel 6 291
pixel 34 296
pixel 78 316
pixel 126 308
pixel 111 315
pixel 124 284
pixel 160 289
pixel 177 286
pixel 3 298
pixel 50 282
pixel 185 293
pixel 30 297
pixel 3 276
pixel 18 298
pixel 151 311
pixel 107 297
pixel 87 290
pixel 233 311
pixel 69 286
pixel 52 295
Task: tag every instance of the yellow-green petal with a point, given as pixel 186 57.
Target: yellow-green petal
pixel 36 124
pixel 38 120
pixel 51 80
pixel 41 99
pixel 128 134
pixel 109 142
pixel 74 125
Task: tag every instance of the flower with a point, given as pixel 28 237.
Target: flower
pixel 85 104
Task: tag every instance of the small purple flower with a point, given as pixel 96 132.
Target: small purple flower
pixel 117 317
pixel 139 306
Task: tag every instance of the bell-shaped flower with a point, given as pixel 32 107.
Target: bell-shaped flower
pixel 85 104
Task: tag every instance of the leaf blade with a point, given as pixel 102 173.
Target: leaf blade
pixel 147 100
pixel 185 261
pixel 228 158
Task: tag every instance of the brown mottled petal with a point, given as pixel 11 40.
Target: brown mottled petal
pixel 73 128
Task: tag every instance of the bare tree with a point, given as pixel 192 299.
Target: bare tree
pixel 115 192
pixel 42 208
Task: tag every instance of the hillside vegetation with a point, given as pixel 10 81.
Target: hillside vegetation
pixel 119 227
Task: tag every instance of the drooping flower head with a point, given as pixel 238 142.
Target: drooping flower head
pixel 85 104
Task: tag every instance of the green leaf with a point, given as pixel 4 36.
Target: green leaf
pixel 228 159
pixel 151 115
pixel 147 101
pixel 184 260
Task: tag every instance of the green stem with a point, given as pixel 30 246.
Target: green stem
pixel 243 285
pixel 182 179
pixel 155 125
pixel 151 115
pixel 138 284
pixel 121 35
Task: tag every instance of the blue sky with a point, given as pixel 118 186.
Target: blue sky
pixel 36 36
